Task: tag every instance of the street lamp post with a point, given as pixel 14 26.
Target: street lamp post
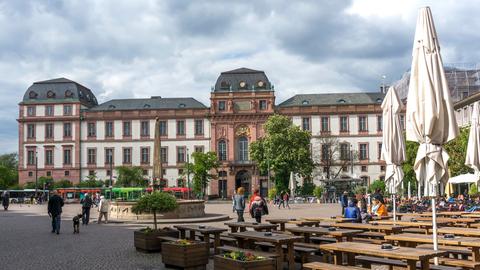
pixel 111 177
pixel 36 173
pixel 188 175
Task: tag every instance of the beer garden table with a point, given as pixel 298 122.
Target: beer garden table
pixel 454 221
pixel 411 224
pixel 411 255
pixel 278 239
pixel 304 222
pixel 458 231
pixel 339 234
pixel 280 221
pixel 404 239
pixel 206 231
pixel 235 226
pixel 330 219
pixel 387 229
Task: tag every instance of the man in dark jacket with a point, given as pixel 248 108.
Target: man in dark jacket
pixel 87 203
pixel 5 200
pixel 55 205
pixel 344 201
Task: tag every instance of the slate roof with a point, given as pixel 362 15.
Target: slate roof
pixel 230 80
pixel 60 89
pixel 153 103
pixel 333 99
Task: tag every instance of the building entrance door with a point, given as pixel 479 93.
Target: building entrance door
pixel 242 179
pixel 222 188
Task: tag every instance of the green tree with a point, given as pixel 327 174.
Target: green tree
pixel 411 149
pixel 473 190
pixel 202 167
pixel 62 184
pixel 318 192
pixel 285 148
pixel 8 170
pixel 45 181
pixel 90 183
pixel 130 177
pixel 156 202
pixel 377 184
pixel 457 150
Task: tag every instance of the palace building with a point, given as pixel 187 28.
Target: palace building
pixel 64 133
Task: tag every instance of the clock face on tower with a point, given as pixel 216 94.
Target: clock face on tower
pixel 242 84
pixel 260 84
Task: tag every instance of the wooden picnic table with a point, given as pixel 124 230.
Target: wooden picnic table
pixel 242 226
pixel 339 234
pixel 411 255
pixel 206 231
pixel 429 214
pixel 454 221
pixel 413 239
pixel 278 239
pixel 458 231
pixel 339 219
pixel 411 224
pixel 387 229
pixel 303 222
pixel 280 221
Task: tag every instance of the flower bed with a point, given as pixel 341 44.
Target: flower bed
pixel 242 261
pixel 146 240
pixel 185 254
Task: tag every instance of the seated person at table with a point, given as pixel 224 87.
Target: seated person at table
pixel 378 208
pixel 352 211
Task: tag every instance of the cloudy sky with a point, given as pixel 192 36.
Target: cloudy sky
pixel 140 48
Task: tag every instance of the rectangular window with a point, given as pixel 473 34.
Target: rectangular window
pixel 127 155
pixel 222 150
pixel 363 155
pixel 163 128
pixel 91 173
pixel 379 123
pixel 145 172
pixel 67 173
pixel 49 131
pixel 198 127
pixel 145 155
pixel 306 123
pixel 91 130
pixel 127 129
pixel 92 156
pixel 402 121
pixel 31 131
pixel 67 130
pixel 108 155
pixel 262 105
pixel 49 173
pixel 67 109
pixel 343 124
pixel 108 129
pixel 49 110
pixel 344 151
pixel 221 105
pixel 181 127
pixel 364 168
pixel 382 168
pixel 180 154
pixel 145 128
pixel 198 149
pixel 164 154
pixel 31 157
pixel 379 150
pixel 67 156
pixel 362 123
pixel 324 124
pixel 31 111
pixel 49 157
pixel 325 152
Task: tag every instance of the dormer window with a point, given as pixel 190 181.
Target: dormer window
pixel 182 105
pixel 305 102
pixel 225 85
pixel 50 94
pixel 69 94
pixel 341 101
pixel 379 100
pixel 32 94
pixel 146 106
pixel 111 106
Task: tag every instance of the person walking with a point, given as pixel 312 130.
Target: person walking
pixel 103 207
pixel 280 200
pixel 258 206
pixel 344 201
pixel 5 200
pixel 55 205
pixel 286 198
pixel 87 203
pixel 239 204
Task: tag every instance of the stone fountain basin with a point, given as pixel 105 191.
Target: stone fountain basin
pixel 122 210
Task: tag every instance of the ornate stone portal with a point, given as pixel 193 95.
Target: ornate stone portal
pixel 186 209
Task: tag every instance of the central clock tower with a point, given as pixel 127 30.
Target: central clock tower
pixel 241 102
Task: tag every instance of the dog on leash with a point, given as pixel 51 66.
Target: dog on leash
pixel 76 223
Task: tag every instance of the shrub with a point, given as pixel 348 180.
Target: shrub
pixel 272 193
pixel 156 202
pixel 473 190
pixel 318 191
pixel 377 184
pixel 307 188
pixel 62 184
pixel 360 189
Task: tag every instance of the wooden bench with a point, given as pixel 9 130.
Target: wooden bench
pixel 302 249
pixel 328 266
pixel 319 239
pixel 367 261
pixel 463 252
pixel 413 230
pixel 464 264
pixel 368 240
pixel 372 235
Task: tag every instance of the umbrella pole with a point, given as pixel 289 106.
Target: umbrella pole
pixel 434 221
pixel 394 209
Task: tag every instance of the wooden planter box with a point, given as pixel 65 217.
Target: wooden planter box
pixel 193 256
pixel 148 242
pixel 222 263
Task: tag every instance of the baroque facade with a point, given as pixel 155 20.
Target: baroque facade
pixel 66 134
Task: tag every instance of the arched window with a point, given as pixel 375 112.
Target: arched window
pixel 222 150
pixel 242 149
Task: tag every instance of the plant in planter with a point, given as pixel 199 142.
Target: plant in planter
pixel 242 261
pixel 157 202
pixel 318 193
pixel 185 254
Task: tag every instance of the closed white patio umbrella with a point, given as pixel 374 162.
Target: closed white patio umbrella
pixel 473 149
pixel 430 115
pixel 393 143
